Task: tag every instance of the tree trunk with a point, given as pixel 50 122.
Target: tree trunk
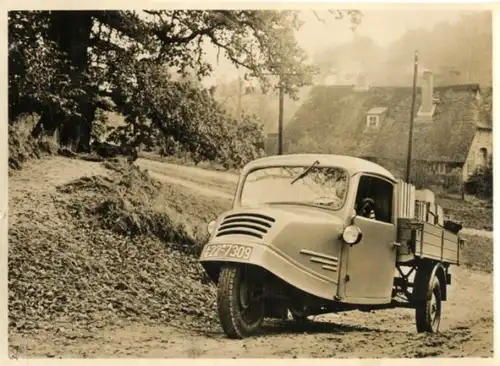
pixel 71 30
pixel 37 131
pixel 86 125
pixel 48 122
pixel 69 135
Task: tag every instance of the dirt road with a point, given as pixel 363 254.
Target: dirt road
pixel 467 324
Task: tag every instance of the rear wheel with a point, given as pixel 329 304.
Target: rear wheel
pixel 239 302
pixel 428 310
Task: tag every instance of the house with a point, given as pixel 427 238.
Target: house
pixel 452 126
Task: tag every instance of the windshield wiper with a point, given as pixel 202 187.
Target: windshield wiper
pixel 305 172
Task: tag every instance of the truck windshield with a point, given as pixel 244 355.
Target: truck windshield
pixel 322 186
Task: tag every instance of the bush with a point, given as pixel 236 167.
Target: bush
pixel 182 118
pixel 480 183
pixel 22 146
pixel 452 182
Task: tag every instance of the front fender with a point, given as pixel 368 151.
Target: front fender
pixel 215 255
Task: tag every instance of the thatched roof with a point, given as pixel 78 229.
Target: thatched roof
pixel 334 120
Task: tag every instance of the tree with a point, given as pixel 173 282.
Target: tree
pixel 65 65
pixel 467 61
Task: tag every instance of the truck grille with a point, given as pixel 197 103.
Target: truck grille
pixel 249 224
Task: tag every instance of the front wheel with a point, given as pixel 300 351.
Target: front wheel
pixel 298 315
pixel 428 311
pixel 239 302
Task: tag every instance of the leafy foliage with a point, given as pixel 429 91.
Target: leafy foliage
pixel 180 116
pixel 71 66
pixel 480 183
pixel 36 80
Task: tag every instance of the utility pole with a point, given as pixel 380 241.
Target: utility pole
pixel 412 118
pixel 279 65
pixel 280 120
pixel 240 97
pixel 281 88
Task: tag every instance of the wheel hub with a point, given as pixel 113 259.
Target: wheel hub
pixel 244 295
pixel 433 309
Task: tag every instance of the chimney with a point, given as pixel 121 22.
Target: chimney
pixel 426 110
pixel 362 82
pixel 427 91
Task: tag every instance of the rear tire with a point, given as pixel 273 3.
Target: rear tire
pixel 240 309
pixel 428 311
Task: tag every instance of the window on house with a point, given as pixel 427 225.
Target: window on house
pixel 440 168
pixel 483 156
pixel 372 121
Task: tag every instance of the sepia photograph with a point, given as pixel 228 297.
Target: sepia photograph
pixel 250 180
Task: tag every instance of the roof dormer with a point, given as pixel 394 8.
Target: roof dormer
pixel 374 117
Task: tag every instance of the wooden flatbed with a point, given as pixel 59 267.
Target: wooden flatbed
pixel 420 239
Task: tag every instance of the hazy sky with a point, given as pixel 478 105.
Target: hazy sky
pixel 383 26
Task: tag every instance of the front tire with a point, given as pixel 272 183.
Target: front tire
pixel 299 316
pixel 239 302
pixel 428 311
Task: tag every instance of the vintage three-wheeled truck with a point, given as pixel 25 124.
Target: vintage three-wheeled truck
pixel 311 234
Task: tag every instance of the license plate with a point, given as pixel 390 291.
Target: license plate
pixel 235 251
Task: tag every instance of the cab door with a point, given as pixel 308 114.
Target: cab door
pixel 371 262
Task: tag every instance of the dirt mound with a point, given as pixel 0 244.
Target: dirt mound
pixel 131 203
pixel 105 248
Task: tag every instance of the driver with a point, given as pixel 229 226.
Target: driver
pixel 366 208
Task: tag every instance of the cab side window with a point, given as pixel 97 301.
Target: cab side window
pixel 379 195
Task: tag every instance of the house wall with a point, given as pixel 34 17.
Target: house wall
pixel 482 139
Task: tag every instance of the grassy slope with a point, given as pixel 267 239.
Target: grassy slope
pixel 23 147
pixel 474 213
pixel 477 253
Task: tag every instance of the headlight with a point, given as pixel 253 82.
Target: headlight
pixel 210 227
pixel 352 234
